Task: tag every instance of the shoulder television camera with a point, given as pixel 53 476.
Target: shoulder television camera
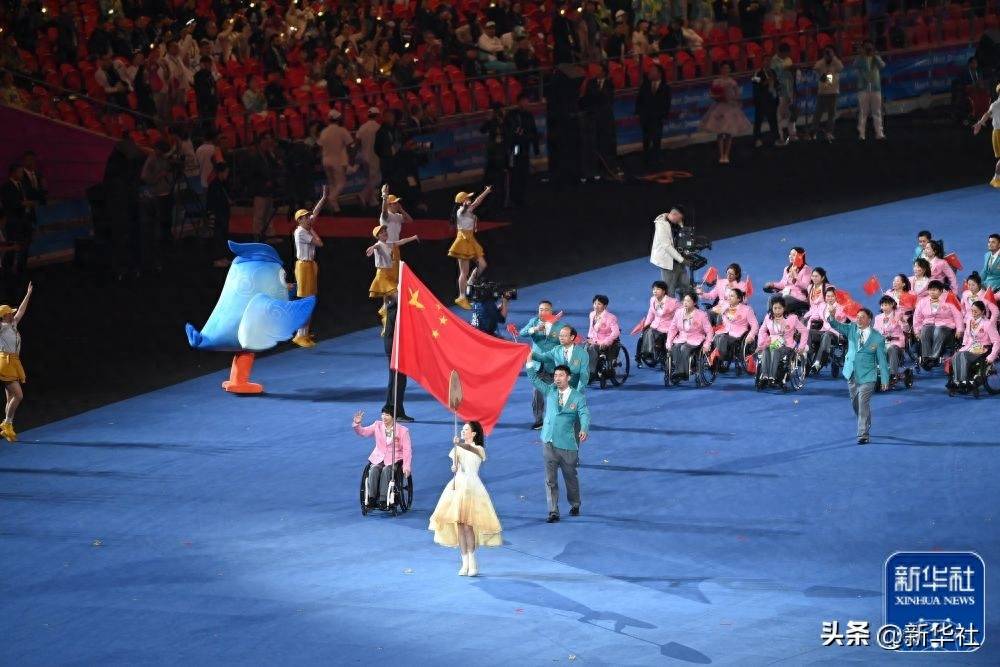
pixel 690 245
pixel 490 291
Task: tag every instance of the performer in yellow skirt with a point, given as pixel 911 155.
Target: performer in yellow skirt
pixel 993 114
pixel 386 277
pixel 307 239
pixel 11 371
pixel 466 247
pixel 464 516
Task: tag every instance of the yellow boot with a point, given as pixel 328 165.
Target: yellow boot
pixel 7 430
pixel 303 340
pixel 462 302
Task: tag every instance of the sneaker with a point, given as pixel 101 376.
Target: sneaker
pixel 553 517
pixel 537 426
pixel 574 511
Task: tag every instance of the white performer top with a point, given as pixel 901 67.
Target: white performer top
pixel 305 251
pixel 393 224
pixel 10 339
pixel 466 219
pixel 382 255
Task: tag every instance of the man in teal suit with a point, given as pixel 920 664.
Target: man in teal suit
pixel 574 357
pixel 865 357
pixel 544 335
pixel 991 263
pixel 566 424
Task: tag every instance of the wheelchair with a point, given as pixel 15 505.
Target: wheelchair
pixel 835 358
pixel 649 350
pixel 913 352
pixel 983 375
pixel 399 496
pixel 735 359
pixel 613 366
pixel 698 366
pixel 791 375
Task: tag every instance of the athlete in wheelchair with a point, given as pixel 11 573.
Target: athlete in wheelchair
pixel 689 339
pixel 782 343
pixel 893 324
pixel 650 351
pixel 826 346
pixel 737 324
pixel 386 483
pixel 608 359
pixel 974 365
pixel 937 323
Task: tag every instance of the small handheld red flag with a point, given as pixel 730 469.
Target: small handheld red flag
pixel 947 366
pixel 548 317
pixel 638 327
pixel 720 328
pixel 990 296
pixel 711 275
pixel 799 261
pixel 512 329
pixel 751 364
pixel 953 300
pixel 579 340
pixel 908 300
pixel 748 292
pixel 871 286
pixel 953 261
pixel 852 308
pixel 712 358
pixel 843 298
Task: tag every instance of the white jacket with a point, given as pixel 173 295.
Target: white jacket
pixel 664 254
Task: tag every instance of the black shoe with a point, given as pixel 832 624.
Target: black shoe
pixel 405 418
pixel 552 518
pixel 537 426
pixel 863 440
pixel 574 511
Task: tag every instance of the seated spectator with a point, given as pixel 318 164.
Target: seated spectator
pixel 10 95
pixel 471 67
pixel 254 100
pixel 274 57
pixel 491 51
pixel 404 72
pixel 99 42
pixel 274 92
pixel 619 44
pixel 111 81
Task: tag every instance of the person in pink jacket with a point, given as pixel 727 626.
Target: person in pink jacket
pixel 893 325
pixel 776 341
pixel 651 347
pixel 981 341
pixel 689 331
pixel 921 277
pixel 900 293
pixel 720 291
pixel 794 283
pixel 735 321
pixel 940 269
pixel 974 292
pixel 936 322
pixel 817 287
pixel 392 446
pixel 821 335
pixel 603 334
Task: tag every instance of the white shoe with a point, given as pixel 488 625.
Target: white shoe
pixel 473 565
pixel 465 566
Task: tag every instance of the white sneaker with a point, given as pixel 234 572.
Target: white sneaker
pixel 465 566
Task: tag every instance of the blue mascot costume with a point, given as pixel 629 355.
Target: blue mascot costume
pixel 253 313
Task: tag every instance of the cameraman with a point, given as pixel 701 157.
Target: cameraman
pixel 828 69
pixel 486 315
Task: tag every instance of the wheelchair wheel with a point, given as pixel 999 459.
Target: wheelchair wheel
pixel 364 480
pixel 795 376
pixel 706 376
pixel 992 379
pixel 667 366
pixel 619 368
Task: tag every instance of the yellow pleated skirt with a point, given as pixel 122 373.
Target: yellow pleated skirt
pixel 466 246
pixel 11 369
pixel 468 504
pixel 384 284
pixel 306 278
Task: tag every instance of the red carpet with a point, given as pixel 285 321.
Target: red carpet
pixel 351 227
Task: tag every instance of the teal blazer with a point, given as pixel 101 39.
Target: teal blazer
pixel 862 364
pixel 991 274
pixel 579 364
pixel 562 426
pixel 540 342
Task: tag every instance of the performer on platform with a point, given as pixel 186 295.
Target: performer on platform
pixel 464 516
pixel 544 336
pixel 865 358
pixel 465 247
pixel 306 240
pixel 737 320
pixel 392 449
pixel 393 216
pixel 991 263
pixel 11 371
pixel 794 283
pixel 385 282
pixel 567 423
pixel 992 114
pixel 725 118
pixel 776 340
pixel 568 354
pixel 981 340
pixel 603 334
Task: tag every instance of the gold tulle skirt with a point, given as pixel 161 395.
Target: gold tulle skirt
pixel 466 246
pixel 11 369
pixel 468 503
pixel 384 284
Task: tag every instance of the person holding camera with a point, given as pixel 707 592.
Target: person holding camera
pixel 828 69
pixel 664 255
pixel 487 315
pixel 784 74
pixel 869 66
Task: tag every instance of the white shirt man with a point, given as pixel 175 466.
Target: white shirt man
pixel 305 251
pixel 205 156
pixel 490 44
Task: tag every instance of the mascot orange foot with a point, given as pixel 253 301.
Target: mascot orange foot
pixel 239 375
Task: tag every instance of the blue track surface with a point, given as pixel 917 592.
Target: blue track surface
pixel 719 525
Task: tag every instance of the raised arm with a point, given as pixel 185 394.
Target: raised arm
pixel 23 308
pixel 843 328
pixel 319 206
pixel 479 200
pixel 535 380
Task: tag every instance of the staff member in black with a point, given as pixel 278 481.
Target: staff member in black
pixel 522 137
pixel 652 106
pixel 599 134
pixel 17 228
pixel 391 398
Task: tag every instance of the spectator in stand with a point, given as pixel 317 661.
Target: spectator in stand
pixel 599 135
pixel 335 141
pixel 274 56
pixel 828 69
pixel 491 51
pixel 752 18
pixel 99 42
pixel 495 175
pixel 591 29
pixel 404 72
pixel 218 202
pixel 563 34
pixel 388 142
pixel 335 74
pixel 472 68
pixel 137 75
pixel 640 40
pixel 521 138
pixel 32 182
pixel 765 104
pixel 367 158
pixel 262 169
pixel 205 92
pixel 159 205
pixel 652 106
pixel 877 12
pixel 176 78
pixel 17 228
pixel 111 82
pixel 254 100
pixel 619 43
pixel 122 184
pixel 869 65
pixel 10 95
pixel 525 58
pixel 274 93
pixel 68 37
pixel 784 75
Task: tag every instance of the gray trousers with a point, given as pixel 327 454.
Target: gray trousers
pixel 962 363
pixel 676 278
pixel 379 477
pixel 933 340
pixel 861 398
pixel 895 356
pixel 566 460
pixel 538 399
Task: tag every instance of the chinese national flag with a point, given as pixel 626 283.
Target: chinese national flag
pixel 843 298
pixel 871 286
pixel 908 300
pixel 953 261
pixel 852 308
pixel 430 342
pixel 711 275
pixel 748 292
pixel 990 297
pixel 953 300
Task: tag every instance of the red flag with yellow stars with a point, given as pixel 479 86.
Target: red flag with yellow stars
pixel 430 342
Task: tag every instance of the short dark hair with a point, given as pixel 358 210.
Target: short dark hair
pixel 993 236
pixel 923 233
pixel 678 208
pixel 866 312
pixel 692 294
pixel 660 284
pixel 602 298
pixel 886 299
pixel 935 284
pixel 738 292
pixel 938 247
pixel 572 331
pixel 545 301
pixel 923 264
pixel 830 288
pixel 562 367
pixel 980 305
pixel 776 300
pixel 737 269
pixel 976 278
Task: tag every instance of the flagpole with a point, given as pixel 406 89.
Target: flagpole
pixel 392 359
